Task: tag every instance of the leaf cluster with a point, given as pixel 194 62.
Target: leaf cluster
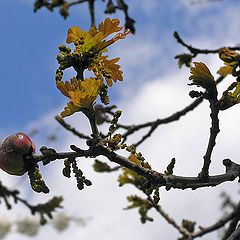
pixel 88 55
pixel 143 206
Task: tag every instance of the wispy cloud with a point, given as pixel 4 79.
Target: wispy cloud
pixel 153 87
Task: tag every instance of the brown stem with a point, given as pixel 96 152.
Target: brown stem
pixel 235 235
pixel 232 227
pixel 159 179
pixel 169 219
pixel 76 2
pixel 70 128
pixel 214 130
pixel 154 124
pixel 196 51
pixel 80 73
pixel 90 113
pixel 218 224
pixel 91 11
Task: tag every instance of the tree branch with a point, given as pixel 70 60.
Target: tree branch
pixel 76 2
pixel 168 218
pixel 42 209
pixel 159 179
pixel 154 124
pixel 235 235
pixel 91 12
pixel 214 130
pixel 218 224
pixel 232 227
pixel 196 51
pixel 70 129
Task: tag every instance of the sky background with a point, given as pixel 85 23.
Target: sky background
pixel 153 87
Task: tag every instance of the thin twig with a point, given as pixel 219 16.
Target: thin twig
pixel 196 51
pixel 70 128
pixel 234 216
pixel 6 193
pixel 169 219
pixel 154 124
pixel 214 130
pixel 235 235
pixel 76 2
pixel 232 227
pixel 91 12
pixel 220 223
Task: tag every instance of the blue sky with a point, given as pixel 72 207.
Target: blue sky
pixel 153 87
pixel 29 46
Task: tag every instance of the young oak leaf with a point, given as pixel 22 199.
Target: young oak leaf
pixel 122 35
pixel 230 97
pixel 83 40
pixel 130 177
pixel 225 70
pixel 69 110
pixel 66 87
pixel 201 76
pixel 117 37
pixel 94 38
pixel 137 202
pixel 75 34
pixel 231 60
pixel 82 94
pixel 236 94
pixel 113 72
pixel 143 206
pixel 92 42
pixel 108 69
pixel 109 26
pixel 132 158
pixel 228 55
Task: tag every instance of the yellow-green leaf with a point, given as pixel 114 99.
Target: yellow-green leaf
pixel 109 26
pixel 69 110
pixel 75 34
pixel 81 93
pixel 225 70
pixel 112 69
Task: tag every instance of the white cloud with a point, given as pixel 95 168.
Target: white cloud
pixel 148 95
pixel 187 139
